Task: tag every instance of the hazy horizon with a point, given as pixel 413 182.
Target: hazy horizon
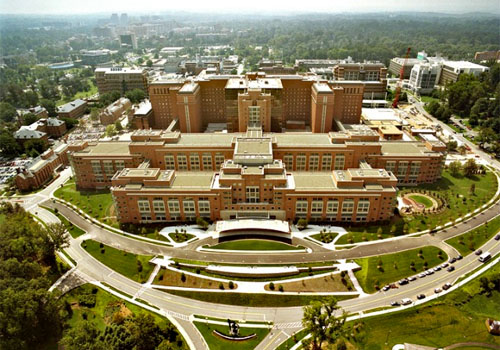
pixel 283 7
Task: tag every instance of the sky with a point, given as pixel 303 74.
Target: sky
pixel 242 6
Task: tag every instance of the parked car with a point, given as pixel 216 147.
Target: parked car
pixel 421 296
pixel 386 288
pixel 452 260
pixel 437 268
pixel 412 278
pixel 497 237
pixel 429 272
pixel 478 252
pixel 460 257
pixel 406 301
pixel 451 268
pixel 446 286
pixel 438 290
pixel 444 265
pixel 422 275
pixel 403 282
pixel 395 303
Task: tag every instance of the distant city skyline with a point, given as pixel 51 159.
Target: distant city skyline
pixel 256 6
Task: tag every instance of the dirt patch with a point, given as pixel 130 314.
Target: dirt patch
pixel 174 278
pixel 328 283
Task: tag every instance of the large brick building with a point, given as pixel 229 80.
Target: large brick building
pixel 345 176
pixel 120 79
pixel 279 102
pixel 372 74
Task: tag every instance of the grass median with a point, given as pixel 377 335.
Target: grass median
pixel 377 271
pixel 215 342
pixel 253 299
pixel 133 266
pixel 472 240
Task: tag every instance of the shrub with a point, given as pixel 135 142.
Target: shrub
pixel 221 286
pixel 271 286
pixel 231 285
pixel 280 288
pixel 102 251
pixel 183 277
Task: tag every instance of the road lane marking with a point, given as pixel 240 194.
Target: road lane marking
pixel 272 340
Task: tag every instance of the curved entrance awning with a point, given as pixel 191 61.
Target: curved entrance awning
pixel 253 224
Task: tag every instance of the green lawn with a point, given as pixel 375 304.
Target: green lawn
pixel 254 244
pixel 426 202
pixel 292 340
pixel 395 266
pixel 73 230
pixel 120 261
pixel 454 189
pixel 253 300
pixel 217 343
pixel 81 94
pixel 472 240
pixel 428 99
pixel 325 237
pixel 97 204
pixel 180 236
pixel 456 317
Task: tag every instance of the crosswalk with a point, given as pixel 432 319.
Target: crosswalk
pixel 288 325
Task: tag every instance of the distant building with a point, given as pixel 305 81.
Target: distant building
pixel 128 40
pixel 487 56
pixel 372 74
pixel 74 109
pixel 275 67
pixel 39 111
pixel 30 132
pixel 114 111
pixel 105 32
pixel 42 169
pixel 452 69
pixel 423 77
pixel 397 62
pixel 95 57
pixel 306 64
pixel 120 79
pixel 143 116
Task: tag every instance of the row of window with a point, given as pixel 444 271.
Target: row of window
pixel 314 161
pixel 188 207
pixel 194 161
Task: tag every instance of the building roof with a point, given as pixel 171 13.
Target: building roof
pixel 106 148
pixel 315 181
pixel 463 65
pixel 54 122
pixel 29 132
pixel 260 83
pixel 380 114
pixel 70 106
pixel 192 180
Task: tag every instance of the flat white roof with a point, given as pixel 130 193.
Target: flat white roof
pixel 380 114
pixel 464 64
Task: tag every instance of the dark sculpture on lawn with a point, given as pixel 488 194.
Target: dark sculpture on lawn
pixel 234 328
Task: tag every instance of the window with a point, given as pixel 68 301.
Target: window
pixel 390 165
pixel 158 205
pixel 204 206
pixel 332 206
pixel 254 116
pixel 182 162
pixel 317 206
pixel 314 162
pixel 301 207
pixel 96 167
pixel 219 159
pixel 326 162
pixel 288 160
pixel 188 206
pixel 252 194
pixel 173 206
pixel 301 162
pixel 194 160
pixel 144 209
pixel 348 206
pixel 339 162
pixel 169 162
pixel 414 168
pixel 119 165
pixel 207 161
pixel 402 169
pixel 109 170
pixel 363 206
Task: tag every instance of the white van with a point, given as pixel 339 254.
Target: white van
pixel 485 257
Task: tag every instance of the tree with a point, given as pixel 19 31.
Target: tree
pixel 135 95
pixel 8 145
pixel 110 130
pixel 149 63
pixel 35 147
pixel 58 234
pixel 462 150
pixel 118 126
pixel 455 168
pixel 94 114
pixel 29 118
pixel 145 333
pixel 84 336
pixel 321 321
pixel 472 189
pixel 451 146
pixel 7 112
pixel 50 106
pixel 302 223
pixel 201 222
pixel 470 168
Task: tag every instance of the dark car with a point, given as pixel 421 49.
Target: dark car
pixel 497 237
pixel 395 303
pixel 421 296
pixel 386 288
pixel 460 257
pixel 478 252
pixel 451 268
pixel 452 260
pixel 403 281
pixel 446 286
